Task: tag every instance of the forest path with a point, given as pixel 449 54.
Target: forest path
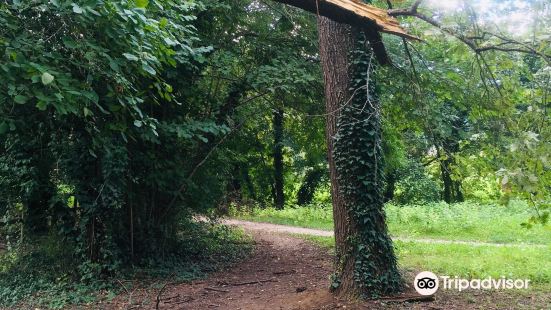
pixel 276 228
pixel 282 273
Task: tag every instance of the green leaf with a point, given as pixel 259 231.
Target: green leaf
pixel 41 105
pixel 142 3
pixel 77 9
pixel 148 68
pixel 130 57
pixel 138 123
pixel 4 127
pixel 69 43
pixel 20 99
pixel 113 64
pixel 47 78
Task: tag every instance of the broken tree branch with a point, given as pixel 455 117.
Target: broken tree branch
pixel 370 19
pixel 253 282
pixel 409 298
pixel 353 12
pixel 216 289
pixel 158 299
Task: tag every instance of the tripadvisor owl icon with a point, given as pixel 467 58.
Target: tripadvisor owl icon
pixel 426 283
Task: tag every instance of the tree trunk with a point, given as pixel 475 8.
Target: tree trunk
pixel 446 180
pixel 336 41
pixel 309 185
pixel 279 198
pixel 38 200
pixel 391 179
pixel 452 188
pixel 249 183
pixel 365 261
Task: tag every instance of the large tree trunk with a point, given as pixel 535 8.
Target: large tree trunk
pixel 279 198
pixel 365 260
pixel 336 42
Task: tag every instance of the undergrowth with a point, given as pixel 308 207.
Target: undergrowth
pixel 43 273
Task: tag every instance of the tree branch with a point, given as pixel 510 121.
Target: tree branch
pixel 506 44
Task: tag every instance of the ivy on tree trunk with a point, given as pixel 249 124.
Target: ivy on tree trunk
pixel 365 261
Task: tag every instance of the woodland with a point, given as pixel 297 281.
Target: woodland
pixel 130 130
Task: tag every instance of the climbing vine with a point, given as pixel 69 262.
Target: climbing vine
pixel 359 162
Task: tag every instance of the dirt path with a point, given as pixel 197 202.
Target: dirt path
pixel 282 271
pixel 268 227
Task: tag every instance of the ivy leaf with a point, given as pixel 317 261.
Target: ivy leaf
pixel 47 78
pixel 142 4
pixel 130 57
pixel 41 105
pixel 4 128
pixel 20 99
pixel 148 68
pixel 77 9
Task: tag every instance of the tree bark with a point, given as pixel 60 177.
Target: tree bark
pixel 279 198
pixel 336 41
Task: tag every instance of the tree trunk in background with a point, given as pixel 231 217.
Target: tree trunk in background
pixel 452 188
pixel 249 183
pixel 390 187
pixel 279 198
pixel 309 185
pixel 336 41
pixel 446 180
pixel 37 201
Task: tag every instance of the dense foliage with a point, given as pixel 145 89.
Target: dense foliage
pixel 122 119
pixel 90 93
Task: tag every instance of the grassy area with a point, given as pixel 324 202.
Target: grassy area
pixel 527 262
pixel 463 221
pixel 313 216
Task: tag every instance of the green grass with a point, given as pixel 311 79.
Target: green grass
pixel 466 221
pixel 526 262
pixel 313 216
pixel 463 221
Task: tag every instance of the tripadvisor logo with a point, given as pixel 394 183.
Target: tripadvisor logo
pixel 427 283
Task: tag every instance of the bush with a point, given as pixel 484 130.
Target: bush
pixel 415 186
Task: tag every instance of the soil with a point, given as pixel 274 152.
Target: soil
pixel 286 272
